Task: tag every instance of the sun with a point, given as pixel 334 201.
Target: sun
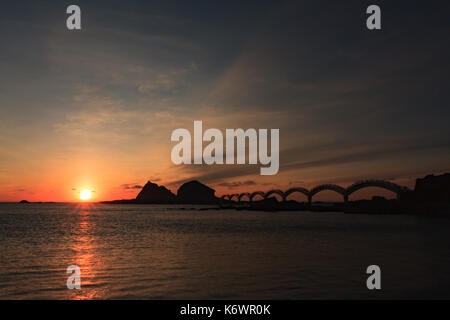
pixel 85 194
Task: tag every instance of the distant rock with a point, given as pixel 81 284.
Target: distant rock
pixel 433 188
pixel 152 193
pixel 24 201
pixel 196 192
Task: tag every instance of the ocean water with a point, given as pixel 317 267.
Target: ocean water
pixel 167 252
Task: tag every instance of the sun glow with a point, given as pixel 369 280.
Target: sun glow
pixel 85 194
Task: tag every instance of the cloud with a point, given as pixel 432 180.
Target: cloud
pixel 127 186
pixel 361 153
pixel 236 184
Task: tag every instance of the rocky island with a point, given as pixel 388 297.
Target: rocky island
pixel 192 192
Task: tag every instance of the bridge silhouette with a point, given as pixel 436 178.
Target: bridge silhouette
pixel 344 192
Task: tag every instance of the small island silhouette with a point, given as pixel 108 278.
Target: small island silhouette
pixel 192 192
pixel 431 196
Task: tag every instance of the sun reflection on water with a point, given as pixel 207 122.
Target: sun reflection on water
pixel 84 245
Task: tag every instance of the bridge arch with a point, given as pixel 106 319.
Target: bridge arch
pixel 293 190
pixel 243 195
pixel 275 191
pixel 397 189
pixel 256 193
pixel 234 195
pixel 227 196
pixel 323 187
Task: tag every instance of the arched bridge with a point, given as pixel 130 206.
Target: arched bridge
pixel 256 193
pixel 345 192
pixel 323 187
pixel 299 189
pixel 397 189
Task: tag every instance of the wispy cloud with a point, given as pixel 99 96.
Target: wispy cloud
pixel 131 186
pixel 236 184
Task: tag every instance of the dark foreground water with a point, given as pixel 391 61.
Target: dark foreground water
pixel 160 252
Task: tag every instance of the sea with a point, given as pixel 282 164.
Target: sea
pixel 201 252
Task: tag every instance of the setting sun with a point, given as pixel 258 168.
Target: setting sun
pixel 85 194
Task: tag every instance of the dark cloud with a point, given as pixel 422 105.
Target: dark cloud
pixel 127 186
pixel 22 190
pixel 373 153
pixel 236 184
pixel 298 158
pixel 214 173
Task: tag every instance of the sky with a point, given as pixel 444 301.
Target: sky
pixel 95 108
